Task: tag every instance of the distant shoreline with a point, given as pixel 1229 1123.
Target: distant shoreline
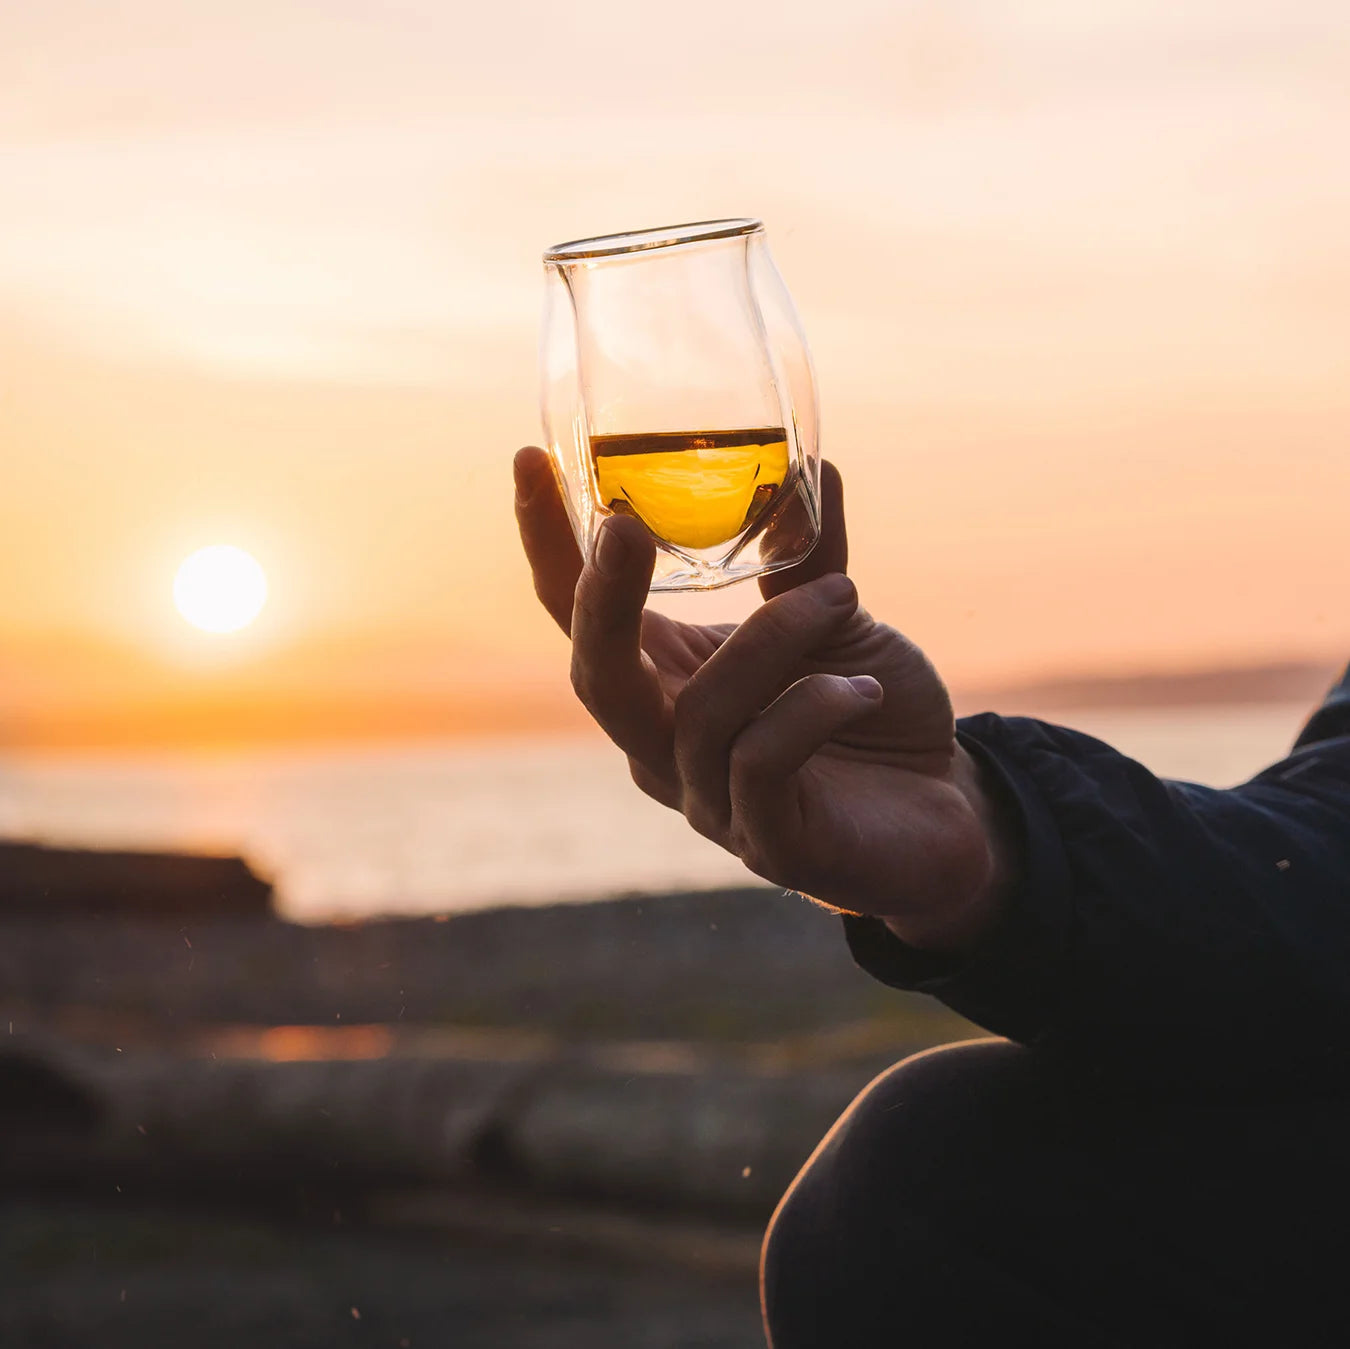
pixel 256 719
pixel 1284 682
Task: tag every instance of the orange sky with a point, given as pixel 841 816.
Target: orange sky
pixel 1075 278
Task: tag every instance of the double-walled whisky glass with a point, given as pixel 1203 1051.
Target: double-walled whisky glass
pixel 677 388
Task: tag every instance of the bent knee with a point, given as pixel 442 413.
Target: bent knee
pixel 886 1161
pixel 918 1110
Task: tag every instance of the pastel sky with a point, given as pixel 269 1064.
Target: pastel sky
pixel 1075 276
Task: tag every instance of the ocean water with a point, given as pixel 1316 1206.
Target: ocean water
pixel 441 827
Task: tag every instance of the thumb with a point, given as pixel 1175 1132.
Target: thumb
pixel 831 551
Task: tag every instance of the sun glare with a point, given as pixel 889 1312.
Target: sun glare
pixel 220 589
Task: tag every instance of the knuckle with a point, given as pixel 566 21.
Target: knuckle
pixel 750 760
pixel 691 721
pixel 586 612
pixel 761 854
pixel 691 708
pixel 781 619
pixel 748 848
pixel 598 608
pixel 581 682
pixel 813 695
pixel 652 784
pixel 704 820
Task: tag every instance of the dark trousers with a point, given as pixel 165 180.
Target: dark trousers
pixel 975 1195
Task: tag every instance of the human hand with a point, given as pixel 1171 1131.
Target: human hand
pixel 814 743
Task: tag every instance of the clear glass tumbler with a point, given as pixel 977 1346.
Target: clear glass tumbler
pixel 677 388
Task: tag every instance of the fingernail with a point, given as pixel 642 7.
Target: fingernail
pixel 527 475
pixel 867 686
pixel 836 588
pixel 611 552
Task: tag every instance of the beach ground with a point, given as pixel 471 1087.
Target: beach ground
pixel 78 1276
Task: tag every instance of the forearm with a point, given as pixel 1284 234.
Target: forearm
pixel 1154 924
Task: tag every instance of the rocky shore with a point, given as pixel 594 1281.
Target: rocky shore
pixel 749 963
pixel 599 1104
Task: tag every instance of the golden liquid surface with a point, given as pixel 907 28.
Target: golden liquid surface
pixel 694 489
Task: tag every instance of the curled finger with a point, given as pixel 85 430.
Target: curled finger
pixel 740 679
pixel 767 755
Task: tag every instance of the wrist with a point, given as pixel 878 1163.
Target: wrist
pixel 961 923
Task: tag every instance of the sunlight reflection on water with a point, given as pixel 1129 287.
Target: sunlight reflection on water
pixel 360 831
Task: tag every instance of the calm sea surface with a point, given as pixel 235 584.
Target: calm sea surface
pixel 452 826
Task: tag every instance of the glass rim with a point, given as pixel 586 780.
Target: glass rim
pixel 659 236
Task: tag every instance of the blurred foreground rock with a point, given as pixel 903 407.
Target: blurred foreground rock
pixel 48 884
pixel 729 964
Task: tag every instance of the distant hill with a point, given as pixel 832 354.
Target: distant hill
pixel 1286 682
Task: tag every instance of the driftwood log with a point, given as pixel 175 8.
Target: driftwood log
pixel 722 1141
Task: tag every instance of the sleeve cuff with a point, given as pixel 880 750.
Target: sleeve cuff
pixel 1009 983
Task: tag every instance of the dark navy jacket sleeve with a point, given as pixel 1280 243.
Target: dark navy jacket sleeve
pixel 1161 930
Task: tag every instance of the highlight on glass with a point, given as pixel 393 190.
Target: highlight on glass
pixel 677 388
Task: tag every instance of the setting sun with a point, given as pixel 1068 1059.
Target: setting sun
pixel 220 589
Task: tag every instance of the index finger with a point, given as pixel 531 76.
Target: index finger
pixel 546 532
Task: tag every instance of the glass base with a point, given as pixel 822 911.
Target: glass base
pixel 785 536
pixel 714 578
